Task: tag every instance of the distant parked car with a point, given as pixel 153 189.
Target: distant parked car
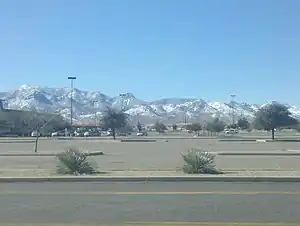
pixel 142 134
pixel 78 134
pixel 56 134
pixel 121 134
pixel 109 133
pixel 231 131
pixel 34 134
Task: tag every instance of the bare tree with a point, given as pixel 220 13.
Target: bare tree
pixel 39 121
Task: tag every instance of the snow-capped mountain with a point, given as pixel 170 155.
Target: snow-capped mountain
pixel 87 104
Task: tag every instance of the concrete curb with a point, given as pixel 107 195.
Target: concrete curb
pixel 43 154
pixel 137 140
pixel 258 153
pixel 229 170
pixel 16 141
pixel 259 140
pixel 216 153
pixel 151 179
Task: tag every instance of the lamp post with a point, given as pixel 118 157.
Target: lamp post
pixel 71 100
pixel 232 106
pixel 122 95
pixel 185 117
pixel 94 102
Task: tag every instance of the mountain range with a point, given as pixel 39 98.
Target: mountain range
pixel 88 106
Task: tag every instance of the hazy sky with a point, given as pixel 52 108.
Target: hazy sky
pixel 155 48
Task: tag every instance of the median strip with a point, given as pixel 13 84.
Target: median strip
pixel 197 178
pixel 214 223
pixel 163 223
pixel 44 154
pixel 259 153
pixel 152 193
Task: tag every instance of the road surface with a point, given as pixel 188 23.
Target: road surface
pixel 139 203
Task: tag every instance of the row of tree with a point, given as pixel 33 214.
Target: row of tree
pixel 270 117
pixel 22 123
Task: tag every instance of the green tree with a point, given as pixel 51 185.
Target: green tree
pixel 23 123
pixel 160 127
pixel 114 119
pixel 233 126
pixel 297 128
pixel 195 127
pixel 243 123
pixel 4 124
pixel 139 127
pixel 127 128
pixel 174 127
pixel 273 116
pixel 216 126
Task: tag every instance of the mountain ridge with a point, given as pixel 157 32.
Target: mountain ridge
pixel 87 104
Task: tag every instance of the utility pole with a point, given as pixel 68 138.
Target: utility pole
pixel 232 106
pixel 95 101
pixel 71 103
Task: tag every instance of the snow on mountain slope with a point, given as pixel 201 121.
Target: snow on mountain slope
pixel 87 103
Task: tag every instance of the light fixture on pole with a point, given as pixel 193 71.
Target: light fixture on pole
pixel 71 101
pixel 185 117
pixel 232 106
pixel 122 95
pixel 94 102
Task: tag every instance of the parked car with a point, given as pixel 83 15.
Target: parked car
pixel 109 133
pixel 78 134
pixel 121 134
pixel 86 134
pixel 34 134
pixel 231 131
pixel 142 133
pixel 56 134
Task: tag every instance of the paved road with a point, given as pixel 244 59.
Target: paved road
pixel 117 203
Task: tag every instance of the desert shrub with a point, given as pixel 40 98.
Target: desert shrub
pixel 198 161
pixel 74 161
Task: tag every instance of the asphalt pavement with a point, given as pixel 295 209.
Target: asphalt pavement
pixel 152 156
pixel 149 203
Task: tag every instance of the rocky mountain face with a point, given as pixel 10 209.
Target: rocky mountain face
pixel 89 105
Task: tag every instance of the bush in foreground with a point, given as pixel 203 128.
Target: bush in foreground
pixel 74 161
pixel 198 161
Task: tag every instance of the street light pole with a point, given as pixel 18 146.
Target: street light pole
pixel 71 101
pixel 122 95
pixel 232 105
pixel 185 117
pixel 95 101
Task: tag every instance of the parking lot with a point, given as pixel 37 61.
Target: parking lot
pixel 162 154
